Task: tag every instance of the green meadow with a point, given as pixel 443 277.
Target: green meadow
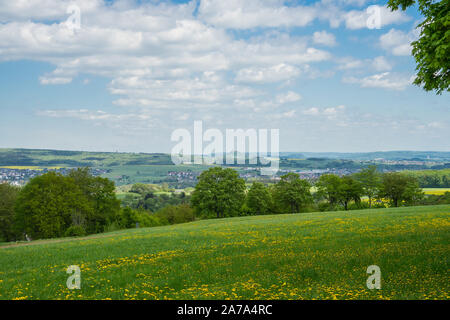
pixel 295 256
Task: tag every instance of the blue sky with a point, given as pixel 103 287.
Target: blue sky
pixel 134 71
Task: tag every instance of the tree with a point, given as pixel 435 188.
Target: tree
pixel 8 196
pixel 293 193
pixel 219 192
pixel 100 192
pixel 176 214
pixel 339 190
pixel 259 199
pixel 142 189
pixel 350 189
pixel 370 181
pixel 127 218
pixel 398 187
pixel 413 193
pixel 432 50
pixel 47 205
pixel 329 187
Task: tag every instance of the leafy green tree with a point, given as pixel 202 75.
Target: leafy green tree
pixel 350 189
pixel 219 192
pixel 293 193
pixel 398 187
pixel 101 194
pixel 370 181
pixel 337 190
pixel 413 193
pixel 142 189
pixel 8 196
pixel 259 199
pixel 127 218
pixel 176 214
pixel 329 187
pixel 432 50
pixel 47 205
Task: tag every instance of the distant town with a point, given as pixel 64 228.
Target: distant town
pixel 19 177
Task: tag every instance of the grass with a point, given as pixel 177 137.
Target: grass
pixel 301 256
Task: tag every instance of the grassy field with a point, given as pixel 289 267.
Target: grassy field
pixel 301 256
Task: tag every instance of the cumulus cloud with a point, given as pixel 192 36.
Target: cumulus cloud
pixel 398 42
pixel 156 55
pixel 237 14
pixel 177 56
pixel 386 80
pixel 348 63
pixel 54 80
pixel 380 16
pixel 324 38
pixel 288 97
pixel 379 63
pixel 329 112
pixel 274 73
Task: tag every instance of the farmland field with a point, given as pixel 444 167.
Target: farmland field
pixel 300 256
pixel 436 191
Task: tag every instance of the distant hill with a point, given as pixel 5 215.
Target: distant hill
pixel 386 155
pixel 52 158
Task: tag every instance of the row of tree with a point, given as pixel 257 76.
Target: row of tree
pixel 432 178
pixel 222 193
pixel 55 205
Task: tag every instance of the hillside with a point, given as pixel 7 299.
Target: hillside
pixel 301 256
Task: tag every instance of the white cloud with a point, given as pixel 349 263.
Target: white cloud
pixel 356 19
pixel 287 114
pixel 330 112
pixel 381 64
pixel 288 97
pixel 324 38
pixel 165 55
pixel 386 80
pixel 248 14
pixel 156 55
pixel 237 14
pixel 398 42
pixel 349 63
pixel 42 9
pixel 131 123
pixel 274 73
pixel 311 111
pixel 54 80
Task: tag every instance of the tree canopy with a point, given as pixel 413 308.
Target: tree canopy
pixel 432 50
pixel 293 193
pixel 370 181
pixel 8 196
pixel 259 199
pixel 398 187
pixel 53 205
pixel 219 192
